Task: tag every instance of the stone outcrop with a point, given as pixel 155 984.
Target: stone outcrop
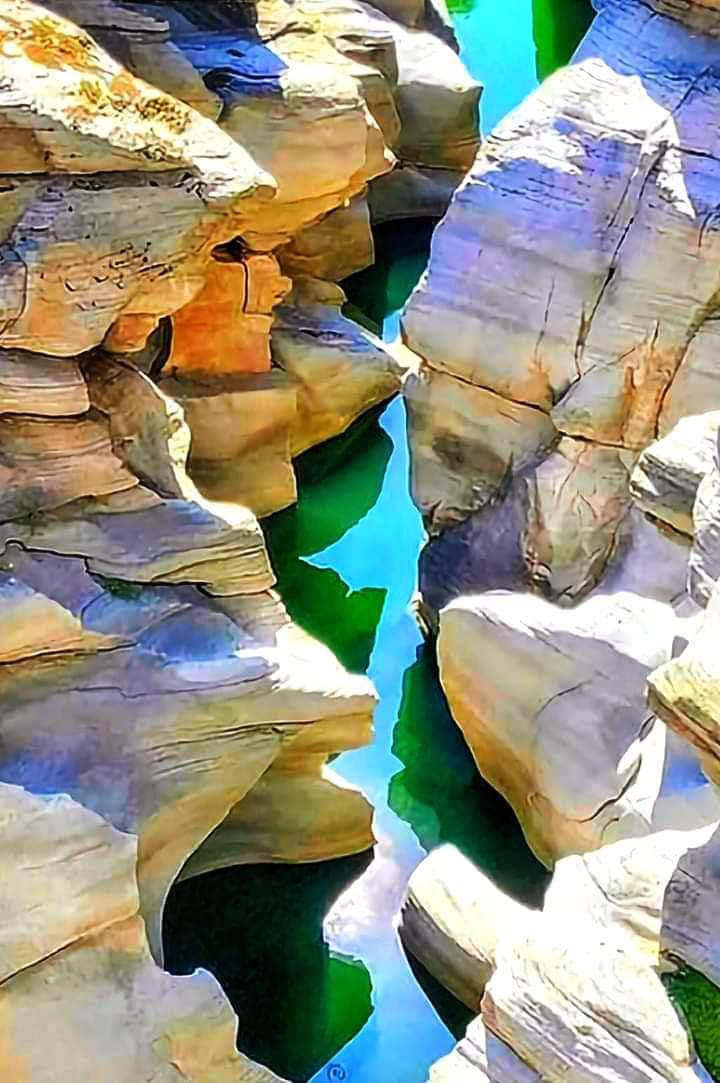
pixel 173 173
pixel 79 985
pixel 570 992
pixel 552 705
pixel 580 990
pixel 156 160
pixel 668 474
pixel 576 269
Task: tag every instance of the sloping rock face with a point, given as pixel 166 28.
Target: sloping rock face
pixel 155 164
pixel 552 705
pixel 575 992
pixel 572 992
pixel 684 690
pixel 74 949
pixel 201 164
pixel 576 268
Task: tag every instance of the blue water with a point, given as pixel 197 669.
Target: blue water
pixel 498 48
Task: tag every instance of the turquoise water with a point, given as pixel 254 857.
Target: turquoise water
pixel 309 955
pixel 498 47
pixel 511 44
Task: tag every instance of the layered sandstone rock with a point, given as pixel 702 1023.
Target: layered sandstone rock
pixel 168 170
pixel 552 704
pixel 668 474
pixel 576 269
pixel 573 991
pixel 74 948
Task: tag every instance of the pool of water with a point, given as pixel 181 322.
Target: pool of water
pixel 309 955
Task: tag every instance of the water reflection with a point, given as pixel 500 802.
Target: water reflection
pixel 496 43
pixel 511 46
pixel 298 1002
pixel 558 28
pixel 443 798
pixel 332 502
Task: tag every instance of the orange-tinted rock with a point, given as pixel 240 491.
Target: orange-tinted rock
pixel 226 328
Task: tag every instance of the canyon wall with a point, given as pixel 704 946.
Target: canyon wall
pixel 182 185
pixel 564 444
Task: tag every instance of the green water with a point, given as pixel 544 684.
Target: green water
pixel 698 1001
pixel 309 955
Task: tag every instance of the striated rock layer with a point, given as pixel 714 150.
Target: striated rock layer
pixel 172 173
pixel 74 950
pixel 577 270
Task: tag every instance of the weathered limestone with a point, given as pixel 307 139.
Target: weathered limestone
pixel 170 173
pixel 668 473
pixel 91 146
pixel 552 705
pixel 226 328
pixel 339 369
pixel 241 436
pixel 574 991
pixel 684 691
pixel 483 435
pixel 452 920
pixel 73 947
pixel 435 98
pixel 576 269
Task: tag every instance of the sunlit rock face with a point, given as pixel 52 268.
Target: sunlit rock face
pixel 684 690
pixel 74 949
pixel 572 286
pixel 552 705
pixel 156 318
pixel 574 991
pixel 182 167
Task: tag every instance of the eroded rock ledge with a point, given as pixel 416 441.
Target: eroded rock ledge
pixel 172 175
pixel 577 269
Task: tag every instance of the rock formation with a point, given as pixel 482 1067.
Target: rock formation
pixel 80 989
pixel 565 457
pixel 576 267
pixel 577 990
pixel 573 991
pixel 182 184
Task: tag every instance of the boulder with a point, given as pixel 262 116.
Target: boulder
pixel 589 203
pixel 339 368
pixel 241 428
pixel 552 705
pixel 574 991
pixel 453 919
pixel 684 691
pixel 666 478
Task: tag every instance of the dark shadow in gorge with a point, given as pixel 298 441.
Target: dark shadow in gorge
pixel 258 929
pixel 442 796
pixel 558 28
pixel 402 249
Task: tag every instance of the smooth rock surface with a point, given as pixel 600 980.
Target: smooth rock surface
pixel 552 705
pixel 74 946
pixel 575 268
pixel 338 367
pixel 668 473
pixel 574 991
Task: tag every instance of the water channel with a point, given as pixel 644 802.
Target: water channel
pixel 309 955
